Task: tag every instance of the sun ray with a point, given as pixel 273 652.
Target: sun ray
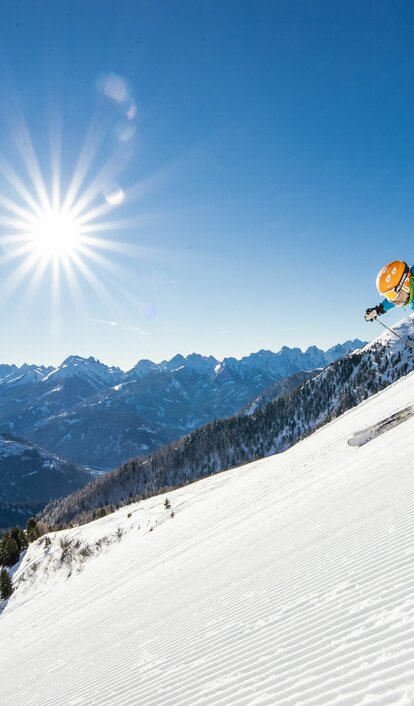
pixel 100 290
pixel 55 161
pixel 27 152
pixel 94 213
pixel 16 225
pixel 107 173
pixel 120 224
pixel 55 291
pixel 36 280
pixel 69 274
pixel 17 210
pixel 14 180
pixel 103 261
pixel 133 249
pixel 17 253
pixel 56 230
pixel 91 145
pixel 16 278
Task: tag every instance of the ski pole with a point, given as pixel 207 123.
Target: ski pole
pixel 404 340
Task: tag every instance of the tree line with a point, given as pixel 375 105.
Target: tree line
pixel 12 543
pixel 237 440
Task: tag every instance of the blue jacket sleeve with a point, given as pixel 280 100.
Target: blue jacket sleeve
pixel 387 305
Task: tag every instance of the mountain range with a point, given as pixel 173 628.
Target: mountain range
pixel 101 416
pixel 234 441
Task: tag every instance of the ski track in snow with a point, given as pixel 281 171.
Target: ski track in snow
pixel 287 582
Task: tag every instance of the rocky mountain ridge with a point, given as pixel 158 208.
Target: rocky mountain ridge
pixel 100 416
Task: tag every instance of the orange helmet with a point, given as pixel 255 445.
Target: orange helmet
pixel 394 278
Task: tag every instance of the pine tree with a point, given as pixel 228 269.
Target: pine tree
pixel 9 551
pixel 32 535
pixel 6 586
pixel 23 539
pixel 15 534
pixel 31 524
pixel 33 532
pixel 2 546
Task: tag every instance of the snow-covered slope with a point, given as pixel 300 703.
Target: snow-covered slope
pixel 289 581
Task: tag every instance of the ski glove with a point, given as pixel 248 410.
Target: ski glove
pixel 372 313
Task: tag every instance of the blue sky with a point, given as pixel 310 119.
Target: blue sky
pixel 267 166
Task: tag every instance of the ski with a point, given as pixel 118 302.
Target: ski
pixel 362 437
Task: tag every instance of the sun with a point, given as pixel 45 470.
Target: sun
pixel 55 234
pixel 58 228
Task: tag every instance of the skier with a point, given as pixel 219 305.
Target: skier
pixel 396 283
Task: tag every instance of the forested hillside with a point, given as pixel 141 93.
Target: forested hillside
pixel 231 442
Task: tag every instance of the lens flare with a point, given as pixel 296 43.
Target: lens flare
pixel 148 310
pixel 125 131
pixel 114 195
pixel 114 87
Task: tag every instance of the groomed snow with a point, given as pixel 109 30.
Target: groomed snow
pixel 289 581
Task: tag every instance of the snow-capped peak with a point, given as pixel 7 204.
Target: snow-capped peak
pixel 90 368
pixel 26 374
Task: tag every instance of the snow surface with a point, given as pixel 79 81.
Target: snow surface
pixel 289 581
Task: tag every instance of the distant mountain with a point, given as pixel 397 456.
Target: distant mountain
pixel 6 370
pixel 89 370
pixel 30 477
pixel 12 376
pixel 231 442
pixel 100 416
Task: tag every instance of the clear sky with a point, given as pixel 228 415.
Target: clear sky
pixel 228 175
